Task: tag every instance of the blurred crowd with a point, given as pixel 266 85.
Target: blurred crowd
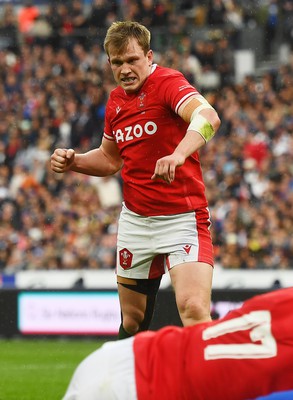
pixel 54 84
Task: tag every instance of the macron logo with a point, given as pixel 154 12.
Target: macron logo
pixel 187 248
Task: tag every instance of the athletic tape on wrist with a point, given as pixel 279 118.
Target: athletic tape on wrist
pixel 201 125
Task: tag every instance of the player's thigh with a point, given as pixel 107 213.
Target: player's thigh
pixel 136 255
pixel 137 295
pixel 186 238
pixel 132 303
pixel 192 280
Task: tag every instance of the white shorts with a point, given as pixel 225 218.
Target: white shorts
pixel 147 247
pixel 106 374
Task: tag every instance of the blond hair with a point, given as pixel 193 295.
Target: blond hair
pixel 120 32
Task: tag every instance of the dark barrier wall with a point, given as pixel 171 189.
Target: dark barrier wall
pixel 90 312
pixel 8 312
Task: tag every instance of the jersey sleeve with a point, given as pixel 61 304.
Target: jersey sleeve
pixel 175 89
pixel 110 111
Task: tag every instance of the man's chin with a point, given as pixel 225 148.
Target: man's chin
pixel 130 88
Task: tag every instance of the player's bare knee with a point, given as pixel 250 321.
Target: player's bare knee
pixel 193 311
pixel 131 323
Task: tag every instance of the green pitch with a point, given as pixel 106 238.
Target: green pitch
pixel 39 369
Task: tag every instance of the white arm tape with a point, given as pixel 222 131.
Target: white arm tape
pixel 201 125
pixel 198 109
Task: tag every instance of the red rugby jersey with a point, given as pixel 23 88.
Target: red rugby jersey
pixel 246 354
pixel 146 127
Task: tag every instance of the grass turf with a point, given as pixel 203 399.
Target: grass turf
pixel 39 369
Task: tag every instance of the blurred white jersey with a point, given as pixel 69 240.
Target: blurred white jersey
pixel 106 374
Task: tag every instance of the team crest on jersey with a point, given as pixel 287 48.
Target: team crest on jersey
pixel 125 257
pixel 141 101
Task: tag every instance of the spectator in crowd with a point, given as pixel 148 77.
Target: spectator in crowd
pixel 233 23
pixel 102 14
pixel 27 16
pixel 216 13
pixel 224 64
pixel 79 19
pixel 271 26
pixel 8 28
pixel 287 22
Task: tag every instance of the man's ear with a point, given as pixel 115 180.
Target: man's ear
pixel 150 56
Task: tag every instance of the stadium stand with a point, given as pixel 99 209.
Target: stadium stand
pixel 54 83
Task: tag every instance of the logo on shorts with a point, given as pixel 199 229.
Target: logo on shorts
pixel 187 248
pixel 125 258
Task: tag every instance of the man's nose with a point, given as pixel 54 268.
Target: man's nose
pixel 125 68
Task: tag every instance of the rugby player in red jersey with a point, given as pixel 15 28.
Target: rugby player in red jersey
pixel 155 123
pixel 242 356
